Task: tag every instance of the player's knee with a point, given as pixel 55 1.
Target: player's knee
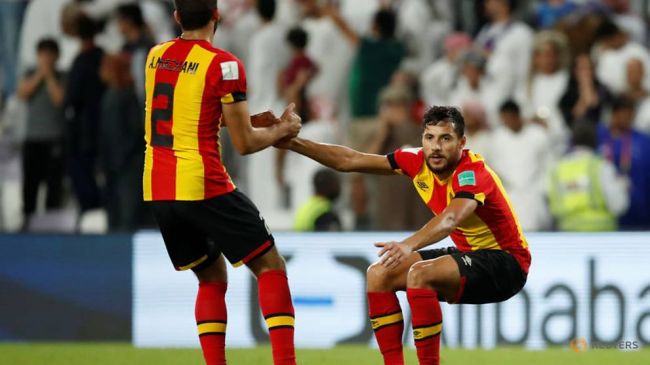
pixel 418 277
pixel 378 278
pixel 215 272
pixel 271 261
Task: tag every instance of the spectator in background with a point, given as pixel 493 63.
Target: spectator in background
pixel 121 144
pixel 43 160
pixel 296 76
pixel 637 92
pixel 628 150
pixel 519 154
pixel 585 95
pixel 48 19
pixel 421 32
pixel 268 55
pixel 616 50
pixel 408 80
pixel 293 81
pixel 133 28
pixel 329 50
pixel 471 85
pixel 317 214
pixel 477 130
pixel 547 81
pixel 584 192
pixel 622 14
pixel 83 97
pixel 378 56
pixel 549 12
pixel 396 207
pixel 507 44
pixel 439 79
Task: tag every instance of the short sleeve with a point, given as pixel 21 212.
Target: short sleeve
pixel 472 181
pixel 407 161
pixel 233 81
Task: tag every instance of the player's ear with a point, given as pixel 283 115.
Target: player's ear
pixel 463 141
pixel 216 16
pixel 177 17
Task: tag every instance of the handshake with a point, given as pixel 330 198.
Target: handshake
pixel 289 122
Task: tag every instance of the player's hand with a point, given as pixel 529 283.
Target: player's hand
pixel 285 143
pixel 291 121
pixel 393 253
pixel 264 119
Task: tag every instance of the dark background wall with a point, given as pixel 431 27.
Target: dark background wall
pixel 65 288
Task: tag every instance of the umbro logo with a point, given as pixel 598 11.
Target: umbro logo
pixel 467 260
pixel 422 186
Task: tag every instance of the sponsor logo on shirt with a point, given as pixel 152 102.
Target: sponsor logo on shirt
pixel 422 186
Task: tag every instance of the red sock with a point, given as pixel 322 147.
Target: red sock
pixel 211 318
pixel 388 323
pixel 275 301
pixel 427 324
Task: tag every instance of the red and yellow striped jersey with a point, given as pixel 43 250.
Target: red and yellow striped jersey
pixel 187 81
pixel 492 226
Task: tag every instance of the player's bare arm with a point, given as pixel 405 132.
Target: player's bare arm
pixel 248 139
pixel 340 158
pixel 441 226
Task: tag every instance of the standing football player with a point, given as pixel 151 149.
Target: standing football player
pixel 190 87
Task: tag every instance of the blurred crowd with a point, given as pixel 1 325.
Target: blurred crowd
pixel 555 94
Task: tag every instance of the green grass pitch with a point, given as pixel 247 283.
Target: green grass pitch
pixel 104 354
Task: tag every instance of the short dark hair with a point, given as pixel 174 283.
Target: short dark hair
pixel 622 102
pixel 266 9
pixel 194 14
pixel 386 22
pixel 510 106
pixel 606 30
pixel 131 13
pixel 48 45
pixel 445 114
pixel 297 38
pixel 327 183
pixel 584 134
pixel 87 28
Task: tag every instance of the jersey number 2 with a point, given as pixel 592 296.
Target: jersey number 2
pixel 162 115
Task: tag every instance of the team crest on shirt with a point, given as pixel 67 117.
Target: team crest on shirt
pixel 466 178
pixel 422 185
pixel 229 70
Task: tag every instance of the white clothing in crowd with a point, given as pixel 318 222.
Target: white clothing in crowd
pixel 43 20
pixel 541 97
pixel 507 66
pixel 333 55
pixel 642 118
pixel 480 143
pixel 438 80
pixel 268 54
pixel 521 160
pixel 611 66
